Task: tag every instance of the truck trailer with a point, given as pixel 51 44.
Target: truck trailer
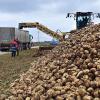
pixel 7 34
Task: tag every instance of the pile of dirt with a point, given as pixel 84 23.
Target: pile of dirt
pixel 71 71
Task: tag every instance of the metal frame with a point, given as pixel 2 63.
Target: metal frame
pixel 91 16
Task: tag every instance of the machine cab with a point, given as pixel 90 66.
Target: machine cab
pixel 83 19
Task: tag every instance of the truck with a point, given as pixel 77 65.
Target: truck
pixel 7 34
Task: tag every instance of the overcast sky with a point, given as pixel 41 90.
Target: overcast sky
pixel 51 13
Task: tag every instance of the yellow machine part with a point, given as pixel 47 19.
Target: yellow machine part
pixel 41 28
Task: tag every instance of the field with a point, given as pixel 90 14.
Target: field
pixel 11 68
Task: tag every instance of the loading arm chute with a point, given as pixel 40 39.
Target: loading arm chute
pixel 41 28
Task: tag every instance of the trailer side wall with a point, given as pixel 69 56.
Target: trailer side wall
pixel 6 34
pixel 22 35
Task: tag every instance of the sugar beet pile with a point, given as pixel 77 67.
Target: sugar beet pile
pixel 71 71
